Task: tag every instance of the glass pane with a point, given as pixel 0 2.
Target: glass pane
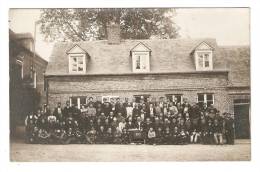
pixel 138 62
pixel 82 100
pixel 209 103
pixel 178 98
pixel 209 97
pixel 143 62
pixel 200 97
pixel 200 60
pixel 74 101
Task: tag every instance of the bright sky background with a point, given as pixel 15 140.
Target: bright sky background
pixel 230 26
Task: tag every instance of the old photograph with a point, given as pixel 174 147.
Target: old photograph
pixel 129 84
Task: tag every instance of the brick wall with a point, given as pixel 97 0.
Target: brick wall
pixel 62 88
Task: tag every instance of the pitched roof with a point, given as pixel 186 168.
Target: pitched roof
pixel 167 55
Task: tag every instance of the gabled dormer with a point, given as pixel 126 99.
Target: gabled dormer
pixel 203 57
pixel 77 57
pixel 140 58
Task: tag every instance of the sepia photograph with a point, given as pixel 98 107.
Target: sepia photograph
pixel 129 84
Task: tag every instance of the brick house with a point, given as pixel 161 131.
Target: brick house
pixel 196 69
pixel 26 77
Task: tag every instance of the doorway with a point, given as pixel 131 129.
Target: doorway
pixel 242 123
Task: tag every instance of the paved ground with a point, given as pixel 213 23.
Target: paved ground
pixel 28 152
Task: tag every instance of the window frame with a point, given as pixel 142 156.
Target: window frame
pixel 205 100
pixel 77 55
pixel 144 61
pixel 173 95
pixel 210 61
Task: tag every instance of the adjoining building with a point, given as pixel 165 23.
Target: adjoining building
pixel 26 73
pixel 196 69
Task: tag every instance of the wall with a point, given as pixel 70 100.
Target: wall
pixel 61 88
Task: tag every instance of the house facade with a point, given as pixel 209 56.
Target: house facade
pixel 26 77
pixel 194 69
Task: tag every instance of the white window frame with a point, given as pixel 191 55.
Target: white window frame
pixel 203 68
pixel 205 98
pixel 71 62
pixel 144 59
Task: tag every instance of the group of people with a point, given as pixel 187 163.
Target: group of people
pixel 117 122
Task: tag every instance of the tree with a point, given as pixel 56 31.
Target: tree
pixel 88 24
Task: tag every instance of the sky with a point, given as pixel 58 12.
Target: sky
pixel 229 26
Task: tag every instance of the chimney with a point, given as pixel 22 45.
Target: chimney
pixel 113 33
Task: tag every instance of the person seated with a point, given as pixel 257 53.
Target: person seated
pixel 159 136
pixel 122 125
pixel 33 136
pixel 151 136
pixel 129 124
pixel 71 138
pixel 43 136
pixel 175 136
pixel 167 136
pixel 117 136
pixel 111 117
pixel 79 136
pixel 109 137
pixel 101 135
pixel 125 137
pixel 183 137
pixel 106 124
pixel 91 136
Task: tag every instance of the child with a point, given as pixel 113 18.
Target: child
pixel 151 136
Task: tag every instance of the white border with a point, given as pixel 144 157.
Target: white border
pixel 5 165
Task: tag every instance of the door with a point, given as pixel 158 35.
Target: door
pixel 242 124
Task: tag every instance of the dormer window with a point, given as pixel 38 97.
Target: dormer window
pixel 203 57
pixel 140 58
pixel 77 60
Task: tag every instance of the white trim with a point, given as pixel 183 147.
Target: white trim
pixel 19 62
pixel 70 101
pixel 78 102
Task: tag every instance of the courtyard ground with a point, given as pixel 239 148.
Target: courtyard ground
pixel 20 151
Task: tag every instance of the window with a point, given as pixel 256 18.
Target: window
pixel 78 101
pixel 204 60
pixel 173 97
pixel 141 62
pixel 77 63
pixel 205 98
pixel 138 98
pixel 140 58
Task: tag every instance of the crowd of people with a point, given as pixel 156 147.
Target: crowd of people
pixel 122 121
